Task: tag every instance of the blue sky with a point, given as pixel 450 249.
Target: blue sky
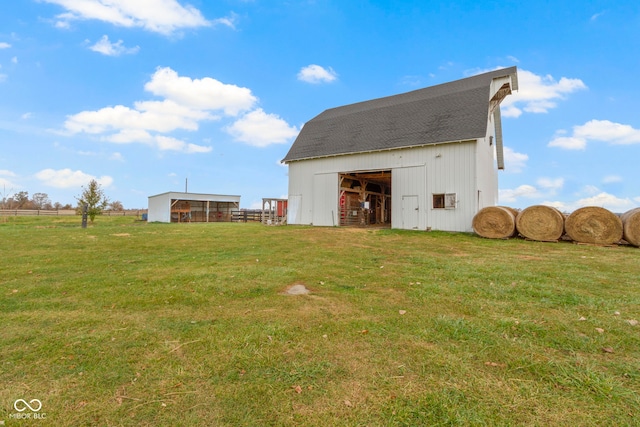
pixel 145 95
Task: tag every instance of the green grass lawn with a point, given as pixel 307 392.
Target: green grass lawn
pixel 129 323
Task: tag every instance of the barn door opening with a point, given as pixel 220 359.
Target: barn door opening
pixel 365 198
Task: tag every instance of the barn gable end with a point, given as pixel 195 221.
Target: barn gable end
pixel 435 148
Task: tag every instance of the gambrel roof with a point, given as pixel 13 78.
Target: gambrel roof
pixel 449 112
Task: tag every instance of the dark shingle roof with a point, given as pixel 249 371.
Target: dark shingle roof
pixel 453 111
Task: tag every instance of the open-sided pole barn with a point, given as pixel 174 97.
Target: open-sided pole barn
pixel 192 207
pixel 426 159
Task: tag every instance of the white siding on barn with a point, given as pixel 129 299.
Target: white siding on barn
pixel 325 199
pixel 294 209
pixel 408 188
pixel 417 171
pixel 454 171
pixel 487 176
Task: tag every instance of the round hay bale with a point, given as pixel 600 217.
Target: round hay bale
pixel 512 210
pixel 631 226
pixel 593 224
pixel 541 223
pixel 494 222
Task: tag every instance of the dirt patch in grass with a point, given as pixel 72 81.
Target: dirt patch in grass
pixel 296 289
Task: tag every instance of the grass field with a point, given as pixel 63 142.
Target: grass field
pixel 136 324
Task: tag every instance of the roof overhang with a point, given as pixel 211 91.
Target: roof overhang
pixel 431 144
pixel 501 87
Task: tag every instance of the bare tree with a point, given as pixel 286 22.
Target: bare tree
pixel 41 200
pixel 6 198
pixel 116 205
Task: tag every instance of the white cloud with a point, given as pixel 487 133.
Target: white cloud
pixel 514 161
pixel 187 103
pixel 63 25
pixel 538 94
pixel 410 80
pixel 7 186
pixel 26 116
pixel 597 130
pixel 163 143
pixel 159 116
pixel 229 21
pixel 316 74
pixel 14 60
pixel 161 16
pixel 545 187
pixel 607 201
pixel 595 197
pixel 610 179
pixel 551 185
pixel 204 94
pixel 604 130
pixel 128 136
pixel 446 66
pixel 4 45
pixel 166 143
pixel 260 129
pixel 512 195
pixel 66 178
pixel 590 190
pixel 568 143
pixel 117 156
pixel 105 47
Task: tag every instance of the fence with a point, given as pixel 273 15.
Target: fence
pixel 66 212
pixel 244 215
pixel 248 215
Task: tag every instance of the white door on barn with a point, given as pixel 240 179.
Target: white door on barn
pixel 409 212
pixel 294 209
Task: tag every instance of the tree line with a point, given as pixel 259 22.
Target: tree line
pixel 92 195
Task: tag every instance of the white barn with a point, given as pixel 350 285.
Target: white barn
pixel 425 160
pixel 175 206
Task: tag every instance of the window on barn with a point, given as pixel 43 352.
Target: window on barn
pixel 444 201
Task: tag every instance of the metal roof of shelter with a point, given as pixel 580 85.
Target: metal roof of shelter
pixel 197 196
pixel 449 112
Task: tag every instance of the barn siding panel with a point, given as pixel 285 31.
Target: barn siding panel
pixel 325 199
pixel 421 171
pixel 407 182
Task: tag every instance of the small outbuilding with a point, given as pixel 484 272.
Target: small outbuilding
pixel 426 159
pixel 192 207
pixel 274 211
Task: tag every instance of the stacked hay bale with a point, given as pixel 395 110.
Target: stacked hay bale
pixel 541 223
pixel 495 222
pixel 593 224
pixel 631 226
